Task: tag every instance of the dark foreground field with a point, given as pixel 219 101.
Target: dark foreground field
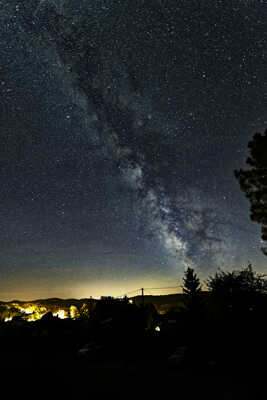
pixel 46 370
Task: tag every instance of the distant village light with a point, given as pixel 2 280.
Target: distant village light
pixel 73 312
pixel 27 310
pixel 60 314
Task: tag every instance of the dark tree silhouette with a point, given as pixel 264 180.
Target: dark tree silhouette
pixel 239 290
pixel 191 285
pixel 254 181
pixel 192 289
pixel 237 302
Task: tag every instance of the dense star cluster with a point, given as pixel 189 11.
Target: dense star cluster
pixel 121 125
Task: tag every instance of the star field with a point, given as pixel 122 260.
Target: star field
pixel 121 125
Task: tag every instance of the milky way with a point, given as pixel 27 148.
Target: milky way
pixel 121 125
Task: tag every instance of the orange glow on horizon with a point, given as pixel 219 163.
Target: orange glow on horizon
pixel 80 290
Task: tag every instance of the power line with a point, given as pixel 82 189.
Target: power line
pixel 143 289
pixel 163 287
pixel 133 291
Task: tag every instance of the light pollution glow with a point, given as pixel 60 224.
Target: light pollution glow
pixel 95 290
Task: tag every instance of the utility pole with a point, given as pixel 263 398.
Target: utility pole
pixel 143 309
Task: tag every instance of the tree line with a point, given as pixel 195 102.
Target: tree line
pixel 233 291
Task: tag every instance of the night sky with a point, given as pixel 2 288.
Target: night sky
pixel 122 122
